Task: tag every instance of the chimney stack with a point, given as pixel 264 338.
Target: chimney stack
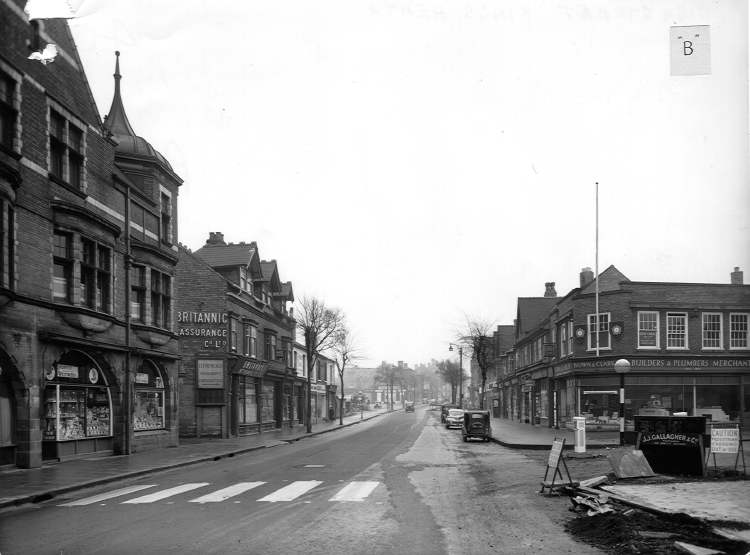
pixel 549 289
pixel 215 238
pixel 587 276
pixel 737 276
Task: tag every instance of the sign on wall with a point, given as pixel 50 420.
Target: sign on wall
pixel 690 50
pixel 210 373
pixel 210 328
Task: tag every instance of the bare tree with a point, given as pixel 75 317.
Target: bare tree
pixel 478 338
pixel 344 352
pixel 319 326
pixel 450 373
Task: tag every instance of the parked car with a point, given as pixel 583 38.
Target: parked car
pixel 476 423
pixel 409 407
pixel 454 418
pixel 444 411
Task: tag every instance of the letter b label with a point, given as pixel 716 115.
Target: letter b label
pixel 690 50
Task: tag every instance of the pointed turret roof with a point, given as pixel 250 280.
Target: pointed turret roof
pixel 117 120
pixel 128 143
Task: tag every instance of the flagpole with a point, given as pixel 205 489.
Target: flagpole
pixel 596 271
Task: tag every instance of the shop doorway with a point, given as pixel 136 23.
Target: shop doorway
pixel 8 406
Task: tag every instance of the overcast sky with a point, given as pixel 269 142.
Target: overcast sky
pixel 417 162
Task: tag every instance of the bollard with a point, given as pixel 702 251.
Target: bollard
pixel 580 427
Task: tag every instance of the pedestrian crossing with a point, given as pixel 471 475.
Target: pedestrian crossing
pixel 353 491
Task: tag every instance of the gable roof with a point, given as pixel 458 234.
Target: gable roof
pixel 286 291
pixel 531 311
pixel 609 280
pixel 233 254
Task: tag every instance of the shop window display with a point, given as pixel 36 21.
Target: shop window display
pixel 267 407
pixel 77 403
pixel 248 401
pixel 148 410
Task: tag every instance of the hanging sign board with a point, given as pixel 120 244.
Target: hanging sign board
pixel 725 438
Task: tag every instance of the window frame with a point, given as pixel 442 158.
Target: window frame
pixel 138 290
pixel 591 322
pixel 720 338
pixel 67 161
pixel 233 333
pixel 67 262
pixel 9 112
pixel 684 316
pixel 165 218
pixel 747 331
pixel 160 299
pixel 639 329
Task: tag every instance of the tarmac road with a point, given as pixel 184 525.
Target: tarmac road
pixel 397 484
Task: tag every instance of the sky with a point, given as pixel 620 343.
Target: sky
pixel 416 163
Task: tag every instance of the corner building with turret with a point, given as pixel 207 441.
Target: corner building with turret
pixel 88 352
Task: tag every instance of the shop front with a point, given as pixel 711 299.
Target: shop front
pixel 77 408
pixel 8 407
pixel 318 402
pixel 714 388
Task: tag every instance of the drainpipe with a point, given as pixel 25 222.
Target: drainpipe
pixel 128 381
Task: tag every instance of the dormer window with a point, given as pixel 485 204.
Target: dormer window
pixel 245 284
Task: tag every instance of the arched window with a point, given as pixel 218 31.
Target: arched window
pixel 148 413
pixel 77 403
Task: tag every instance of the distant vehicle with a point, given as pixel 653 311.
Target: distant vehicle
pixel 409 407
pixel 476 423
pixel 454 418
pixel 378 405
pixel 444 411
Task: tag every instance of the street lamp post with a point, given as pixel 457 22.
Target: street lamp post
pixel 460 373
pixel 622 367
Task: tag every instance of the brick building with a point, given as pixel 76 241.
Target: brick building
pixel 688 345
pixel 237 342
pixel 75 376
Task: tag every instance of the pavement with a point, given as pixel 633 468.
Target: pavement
pixel 719 500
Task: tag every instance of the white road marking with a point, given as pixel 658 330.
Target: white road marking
pixel 291 492
pixel 355 491
pixel 159 495
pixel 314 466
pixel 226 493
pixel 107 495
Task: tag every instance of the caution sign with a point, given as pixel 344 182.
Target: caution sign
pixel 725 438
pixel 690 50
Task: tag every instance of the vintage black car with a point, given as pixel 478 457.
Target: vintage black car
pixel 476 424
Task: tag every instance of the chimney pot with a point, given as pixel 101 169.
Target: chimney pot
pixel 737 277
pixel 549 289
pixel 587 276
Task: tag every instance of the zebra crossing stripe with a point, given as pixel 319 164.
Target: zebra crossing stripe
pixel 159 495
pixel 105 496
pixel 291 492
pixel 355 491
pixel 226 493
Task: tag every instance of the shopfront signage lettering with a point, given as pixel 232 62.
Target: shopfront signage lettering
pixel 317 388
pixel 141 377
pixel 659 363
pixel 210 374
pixel 67 371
